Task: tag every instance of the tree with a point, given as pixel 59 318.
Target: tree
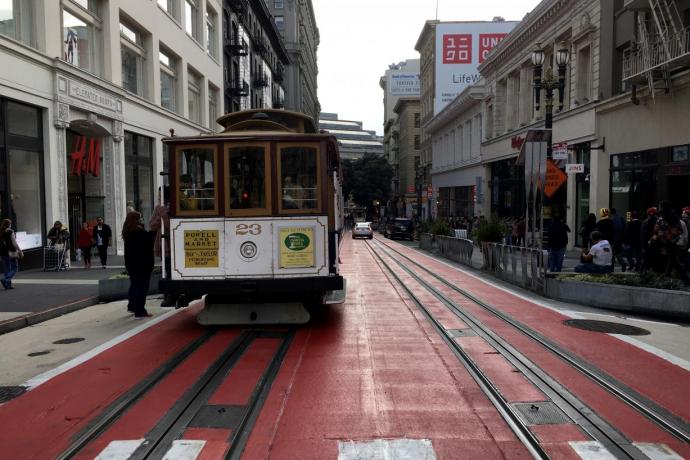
pixel 367 179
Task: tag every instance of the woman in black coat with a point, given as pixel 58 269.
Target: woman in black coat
pixel 138 261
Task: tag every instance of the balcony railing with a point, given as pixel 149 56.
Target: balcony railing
pixel 279 103
pixel 279 75
pixel 239 88
pixel 674 52
pixel 260 79
pixel 237 46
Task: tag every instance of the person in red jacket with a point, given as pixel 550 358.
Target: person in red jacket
pixel 85 242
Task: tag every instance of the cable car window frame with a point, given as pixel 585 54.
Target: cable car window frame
pixel 317 146
pixel 268 180
pixel 178 173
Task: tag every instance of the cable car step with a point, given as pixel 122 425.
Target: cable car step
pixel 252 313
pixel 336 297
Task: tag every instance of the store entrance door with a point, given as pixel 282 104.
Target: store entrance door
pixel 75 205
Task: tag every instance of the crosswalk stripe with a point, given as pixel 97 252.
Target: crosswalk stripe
pixel 184 449
pixel 120 450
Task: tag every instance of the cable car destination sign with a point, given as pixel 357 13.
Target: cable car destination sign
pixel 201 248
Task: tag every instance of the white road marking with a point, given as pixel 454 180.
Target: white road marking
pixel 120 450
pixel 680 362
pixel 184 449
pixel 386 449
pixel 42 378
pixel 591 450
pixel 657 451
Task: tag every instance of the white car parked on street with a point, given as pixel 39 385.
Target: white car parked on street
pixel 362 230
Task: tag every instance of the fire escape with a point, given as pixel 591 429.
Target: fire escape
pixel 662 46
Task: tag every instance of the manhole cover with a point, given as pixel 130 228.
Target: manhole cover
pixel 541 413
pixel 7 393
pixel 39 353
pixel 68 341
pixel 605 327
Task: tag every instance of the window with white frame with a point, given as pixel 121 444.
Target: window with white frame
pixel 191 19
pixel 81 30
pixel 211 27
pixel 280 23
pixel 168 66
pixel 194 95
pixel 279 4
pixel 212 106
pixel 16 20
pixel 170 7
pixel 133 59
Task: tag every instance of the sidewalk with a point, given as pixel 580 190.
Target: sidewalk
pixel 36 291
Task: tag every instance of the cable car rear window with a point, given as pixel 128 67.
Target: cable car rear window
pixel 298 178
pixel 197 180
pixel 247 172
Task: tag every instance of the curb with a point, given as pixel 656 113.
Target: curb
pixel 41 316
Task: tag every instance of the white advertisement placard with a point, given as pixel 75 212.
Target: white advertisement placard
pixel 559 152
pixel 404 84
pixel 460 48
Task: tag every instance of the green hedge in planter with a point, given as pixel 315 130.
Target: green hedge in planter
pixel 491 231
pixel 644 279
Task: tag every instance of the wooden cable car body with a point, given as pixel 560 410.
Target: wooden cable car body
pixel 256 218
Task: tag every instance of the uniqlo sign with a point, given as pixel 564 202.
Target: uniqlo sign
pixel 487 42
pixel 460 48
pixel 457 49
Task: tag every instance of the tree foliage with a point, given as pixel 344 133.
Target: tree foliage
pixel 367 179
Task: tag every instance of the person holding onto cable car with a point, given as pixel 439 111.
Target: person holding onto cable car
pixel 161 214
pixel 138 262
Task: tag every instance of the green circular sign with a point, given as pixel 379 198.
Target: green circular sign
pixel 297 241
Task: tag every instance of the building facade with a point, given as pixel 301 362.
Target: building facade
pixel 296 22
pixel 400 80
pixel 645 123
pixel 254 57
pixel 583 27
pixel 413 194
pixel 353 141
pixel 88 89
pixel 458 175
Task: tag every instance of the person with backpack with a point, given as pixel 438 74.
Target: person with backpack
pixel 10 252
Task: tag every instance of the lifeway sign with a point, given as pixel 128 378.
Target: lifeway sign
pixel 460 48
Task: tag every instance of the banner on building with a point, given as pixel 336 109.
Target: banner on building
pixel 460 48
pixel 404 84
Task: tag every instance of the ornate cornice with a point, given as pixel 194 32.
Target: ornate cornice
pixel 522 37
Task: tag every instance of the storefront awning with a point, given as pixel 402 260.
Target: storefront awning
pixel 88 128
pixel 533 135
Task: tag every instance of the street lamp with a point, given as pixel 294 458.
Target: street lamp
pixel 549 83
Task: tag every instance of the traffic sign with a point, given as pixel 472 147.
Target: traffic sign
pixel 559 151
pixel 555 178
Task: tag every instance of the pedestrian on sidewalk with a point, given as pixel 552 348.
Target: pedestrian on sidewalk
pixel 85 243
pixel 649 254
pixel 599 258
pixel 138 262
pixel 557 242
pixel 631 242
pixel 618 235
pixel 102 235
pixel 9 252
pixel 606 228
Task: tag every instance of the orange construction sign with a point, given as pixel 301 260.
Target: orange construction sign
pixel 555 178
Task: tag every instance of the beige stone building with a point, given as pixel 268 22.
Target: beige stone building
pixel 87 90
pixel 408 145
pixel 583 27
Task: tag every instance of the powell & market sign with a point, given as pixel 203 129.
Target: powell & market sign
pixel 201 248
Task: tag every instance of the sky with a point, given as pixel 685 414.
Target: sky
pixel 360 38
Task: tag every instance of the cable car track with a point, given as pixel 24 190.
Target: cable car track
pixel 571 405
pixel 171 427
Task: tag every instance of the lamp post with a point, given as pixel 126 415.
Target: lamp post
pixel 549 83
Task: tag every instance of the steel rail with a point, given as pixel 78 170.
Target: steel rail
pixel 599 429
pixel 660 416
pixel 523 433
pixel 122 404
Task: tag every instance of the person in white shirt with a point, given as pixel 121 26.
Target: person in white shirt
pixel 599 259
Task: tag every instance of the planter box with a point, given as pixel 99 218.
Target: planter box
pixel 658 302
pixel 110 290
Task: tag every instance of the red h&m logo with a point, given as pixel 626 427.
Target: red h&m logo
pixel 83 161
pixel 457 49
pixel 487 42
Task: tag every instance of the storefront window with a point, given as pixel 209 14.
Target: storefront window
pixel 681 153
pixel 21 175
pixel 139 173
pixel 298 178
pixel 197 180
pixel 247 173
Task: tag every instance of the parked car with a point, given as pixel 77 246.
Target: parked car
pixel 400 228
pixel 362 230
